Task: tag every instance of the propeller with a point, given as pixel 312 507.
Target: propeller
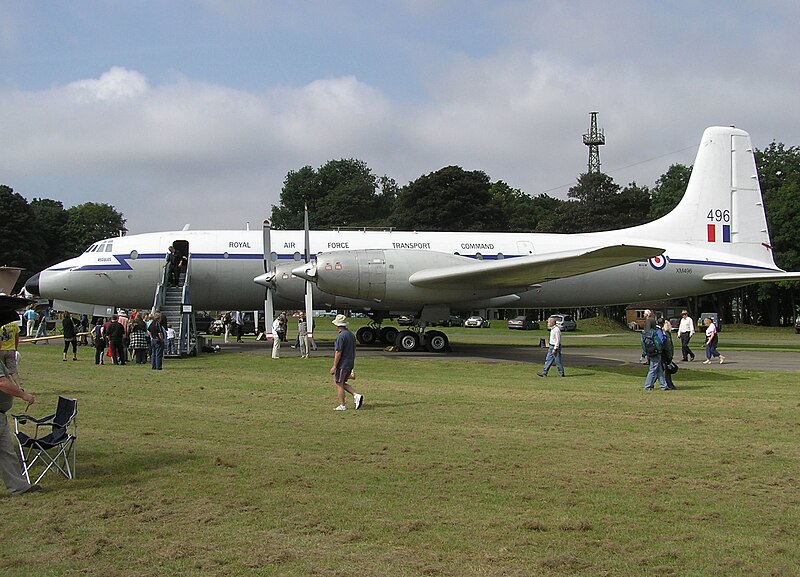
pixel 268 280
pixel 309 288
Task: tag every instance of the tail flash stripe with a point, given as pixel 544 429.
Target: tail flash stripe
pixel 726 233
pixel 712 233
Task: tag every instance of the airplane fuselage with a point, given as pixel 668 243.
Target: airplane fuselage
pixel 124 271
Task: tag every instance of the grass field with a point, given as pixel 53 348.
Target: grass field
pixel 236 465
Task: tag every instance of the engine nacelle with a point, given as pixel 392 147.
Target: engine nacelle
pixel 377 275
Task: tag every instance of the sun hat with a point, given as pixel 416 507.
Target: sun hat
pixel 340 321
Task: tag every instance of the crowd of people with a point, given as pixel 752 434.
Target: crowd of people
pixel 142 336
pixel 658 349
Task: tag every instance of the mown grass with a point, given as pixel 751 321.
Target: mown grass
pixel 234 464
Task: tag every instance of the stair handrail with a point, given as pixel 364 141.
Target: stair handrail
pixel 161 293
pixel 186 319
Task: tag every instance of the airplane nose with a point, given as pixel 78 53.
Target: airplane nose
pixel 32 284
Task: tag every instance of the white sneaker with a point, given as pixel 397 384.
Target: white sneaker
pixel 358 399
pixel 340 408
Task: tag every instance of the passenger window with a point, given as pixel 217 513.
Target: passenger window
pixel 109 246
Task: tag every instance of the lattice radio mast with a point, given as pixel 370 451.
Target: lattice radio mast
pixel 594 139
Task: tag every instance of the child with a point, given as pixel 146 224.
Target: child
pixel 170 339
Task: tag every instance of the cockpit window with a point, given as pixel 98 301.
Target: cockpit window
pixel 104 246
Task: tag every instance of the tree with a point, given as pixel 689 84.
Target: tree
pixel 632 205
pixel 669 190
pixel 90 222
pixel 341 193
pixel 21 245
pixel 599 204
pixel 449 199
pixel 50 221
pixel 521 212
pixel 779 175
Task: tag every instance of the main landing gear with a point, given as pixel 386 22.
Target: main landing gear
pixel 406 340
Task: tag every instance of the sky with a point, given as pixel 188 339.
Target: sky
pixel 194 111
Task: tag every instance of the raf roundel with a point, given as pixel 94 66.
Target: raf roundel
pixel 658 262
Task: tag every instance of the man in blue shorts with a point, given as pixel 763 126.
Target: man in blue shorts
pixel 344 360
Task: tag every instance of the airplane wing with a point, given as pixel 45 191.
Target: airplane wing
pixel 750 277
pixel 529 270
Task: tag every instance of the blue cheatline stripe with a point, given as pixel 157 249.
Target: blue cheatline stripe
pixel 726 233
pixel 719 263
pixel 122 260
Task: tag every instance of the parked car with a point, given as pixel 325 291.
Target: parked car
pixel 523 323
pixel 217 327
pixel 410 320
pixel 451 321
pixel 477 322
pixel 565 322
pixel 203 321
pixel 701 322
pixel 797 325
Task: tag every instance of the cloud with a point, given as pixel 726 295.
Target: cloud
pixel 178 149
pixel 117 84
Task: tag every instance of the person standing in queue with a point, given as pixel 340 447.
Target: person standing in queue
pixel 156 332
pixel 344 361
pixel 70 336
pixel 116 338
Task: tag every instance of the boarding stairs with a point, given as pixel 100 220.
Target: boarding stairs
pixel 174 302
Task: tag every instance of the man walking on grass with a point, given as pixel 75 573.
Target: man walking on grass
pixel 344 360
pixel 554 350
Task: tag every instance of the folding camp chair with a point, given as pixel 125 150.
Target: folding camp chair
pixel 54 449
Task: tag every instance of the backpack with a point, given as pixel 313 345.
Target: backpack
pixel 650 344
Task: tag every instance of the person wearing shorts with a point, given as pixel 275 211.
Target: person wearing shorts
pixel 344 360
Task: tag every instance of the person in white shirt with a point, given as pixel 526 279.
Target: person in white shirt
pixel 685 333
pixel 302 333
pixel 276 338
pixel 171 339
pixel 554 351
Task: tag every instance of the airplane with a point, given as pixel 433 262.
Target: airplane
pixel 715 239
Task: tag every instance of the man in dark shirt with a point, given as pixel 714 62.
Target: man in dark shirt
pixel 156 341
pixel 116 338
pixel 344 360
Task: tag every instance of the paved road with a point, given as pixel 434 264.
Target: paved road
pixel 573 356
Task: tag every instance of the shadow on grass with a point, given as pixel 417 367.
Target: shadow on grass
pixel 100 469
pixel 701 377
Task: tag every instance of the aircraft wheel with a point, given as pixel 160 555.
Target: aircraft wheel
pixel 436 342
pixel 389 335
pixel 366 336
pixel 407 341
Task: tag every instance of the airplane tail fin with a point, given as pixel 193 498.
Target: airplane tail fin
pixel 722 209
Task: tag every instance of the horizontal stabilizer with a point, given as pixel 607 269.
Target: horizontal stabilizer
pixel 529 270
pixel 751 277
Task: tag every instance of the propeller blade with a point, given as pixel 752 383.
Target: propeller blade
pixel 267 245
pixel 268 280
pixel 309 311
pixel 309 300
pixel 268 315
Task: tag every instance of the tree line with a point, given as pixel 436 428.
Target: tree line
pixel 346 193
pixel 42 232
